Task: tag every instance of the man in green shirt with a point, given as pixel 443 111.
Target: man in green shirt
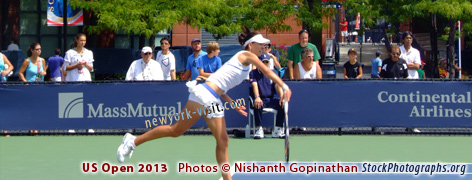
pixel 294 53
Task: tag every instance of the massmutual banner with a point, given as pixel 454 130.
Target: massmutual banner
pixel 123 105
pixel 56 11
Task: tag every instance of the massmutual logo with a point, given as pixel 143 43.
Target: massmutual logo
pixel 71 105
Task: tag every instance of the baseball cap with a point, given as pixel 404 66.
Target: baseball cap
pixel 264 57
pixel 378 53
pixel 351 50
pixel 146 49
pixel 195 39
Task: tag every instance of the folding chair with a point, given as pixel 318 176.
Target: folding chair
pixel 251 113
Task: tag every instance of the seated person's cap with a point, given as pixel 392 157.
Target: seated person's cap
pixel 146 49
pixel 264 57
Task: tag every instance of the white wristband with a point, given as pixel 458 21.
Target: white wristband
pixel 284 87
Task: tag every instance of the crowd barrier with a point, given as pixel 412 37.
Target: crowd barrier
pixel 120 105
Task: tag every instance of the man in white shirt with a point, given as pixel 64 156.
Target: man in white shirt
pixel 410 55
pixel 166 59
pixel 145 69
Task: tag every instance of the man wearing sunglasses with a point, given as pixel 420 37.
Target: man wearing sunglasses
pixel 294 53
pixel 394 66
pixel 145 69
pixel 274 57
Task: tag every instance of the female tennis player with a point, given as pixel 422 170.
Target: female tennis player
pixel 228 76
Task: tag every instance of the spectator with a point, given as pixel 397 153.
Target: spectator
pixel 274 60
pixel 265 96
pixel 55 65
pixel 166 59
pixel 34 65
pixel 410 55
pixel 344 33
pixel 421 71
pixel 6 67
pixel 352 68
pixel 13 45
pixel 191 68
pixel 307 69
pixel 79 60
pixel 376 65
pixel 145 69
pixel 394 66
pixel 294 54
pixel 209 63
pixel 456 68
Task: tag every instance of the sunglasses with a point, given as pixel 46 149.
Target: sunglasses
pixel 396 54
pixel 147 53
pixel 265 62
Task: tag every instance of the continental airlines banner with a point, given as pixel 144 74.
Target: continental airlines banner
pixel 313 104
pixel 55 14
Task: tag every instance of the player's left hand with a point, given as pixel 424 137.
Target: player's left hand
pixel 241 110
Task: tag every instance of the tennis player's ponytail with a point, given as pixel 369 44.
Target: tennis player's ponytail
pixel 245 36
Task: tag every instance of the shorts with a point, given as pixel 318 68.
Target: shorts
pixel 56 79
pixel 204 95
pixel 344 33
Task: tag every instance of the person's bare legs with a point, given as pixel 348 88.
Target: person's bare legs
pixel 174 130
pixel 218 129
pixel 217 126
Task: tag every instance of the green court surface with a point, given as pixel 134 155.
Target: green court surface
pixel 62 157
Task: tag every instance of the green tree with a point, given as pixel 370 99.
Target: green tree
pixel 219 17
pixel 453 10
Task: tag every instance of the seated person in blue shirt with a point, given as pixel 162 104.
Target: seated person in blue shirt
pixel 265 96
pixel 208 64
pixel 191 68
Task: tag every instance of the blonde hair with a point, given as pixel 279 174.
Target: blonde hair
pixel 212 46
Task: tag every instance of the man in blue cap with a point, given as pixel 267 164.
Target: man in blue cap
pixel 191 69
pixel 265 96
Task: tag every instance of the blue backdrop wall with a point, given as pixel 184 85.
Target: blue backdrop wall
pixel 313 104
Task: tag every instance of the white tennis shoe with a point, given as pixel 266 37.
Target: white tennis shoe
pixel 126 148
pixel 259 133
pixel 278 132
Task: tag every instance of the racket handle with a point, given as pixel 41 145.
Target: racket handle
pixel 285 106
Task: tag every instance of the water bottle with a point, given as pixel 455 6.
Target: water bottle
pixel 248 131
pixel 79 60
pixel 4 78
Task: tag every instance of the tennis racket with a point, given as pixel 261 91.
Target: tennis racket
pixel 287 144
